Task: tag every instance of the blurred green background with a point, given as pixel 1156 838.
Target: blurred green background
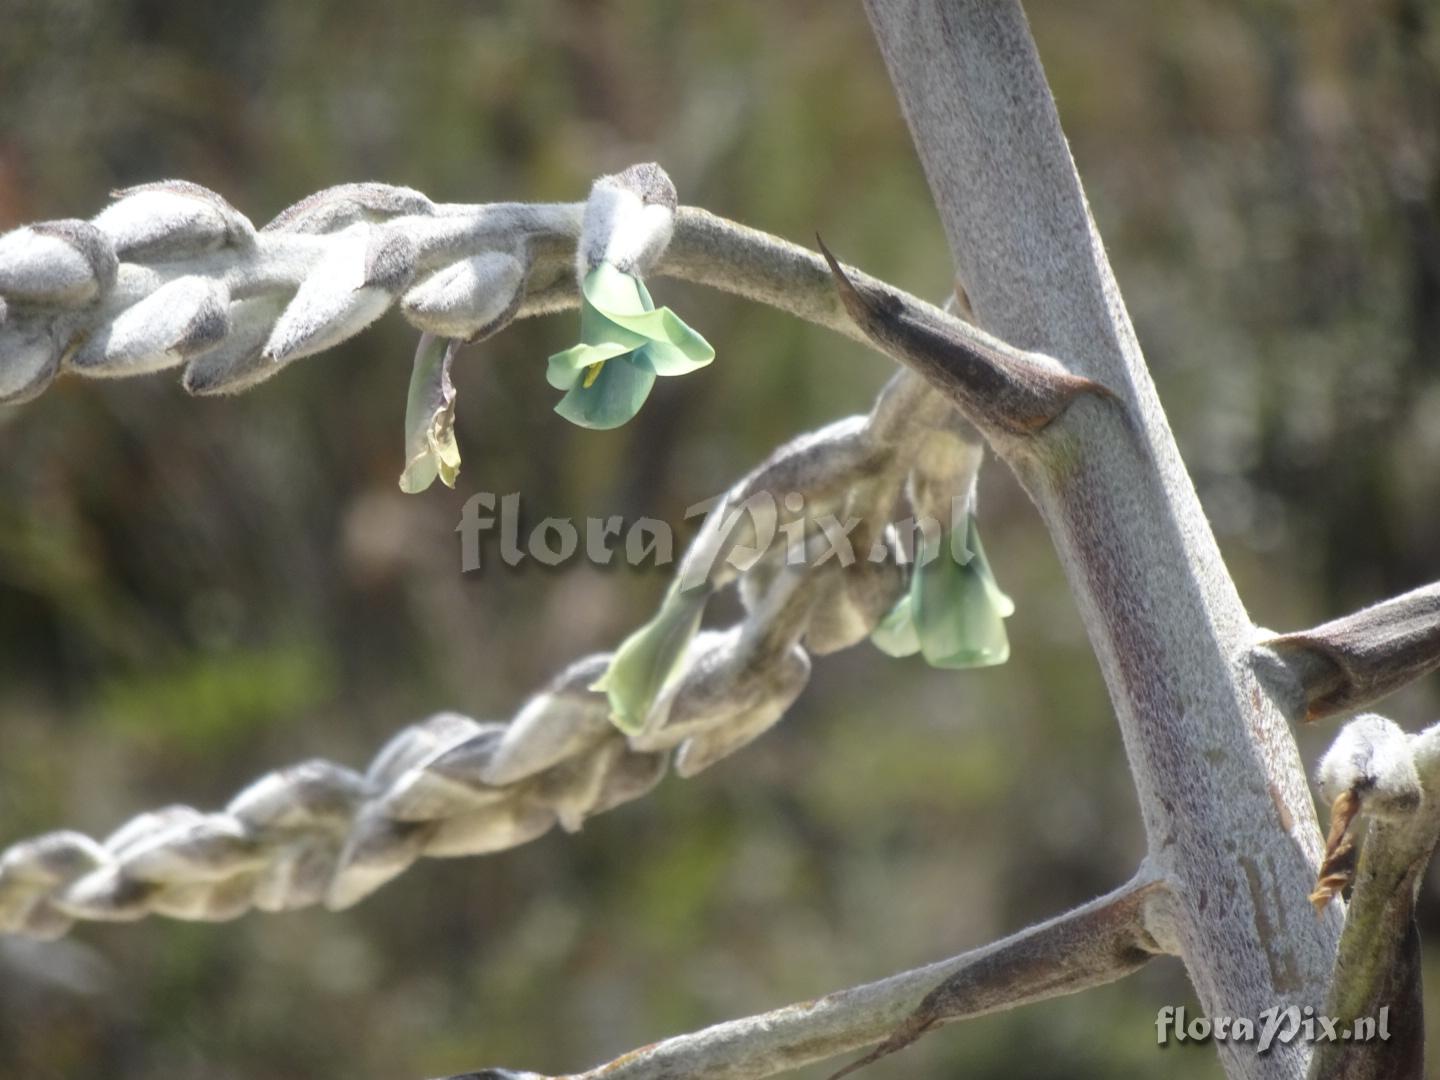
pixel 195 591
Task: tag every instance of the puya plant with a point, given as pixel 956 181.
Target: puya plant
pixel 1238 880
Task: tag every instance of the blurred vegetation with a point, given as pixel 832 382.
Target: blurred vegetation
pixel 195 591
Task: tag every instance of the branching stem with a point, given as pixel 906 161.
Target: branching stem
pixel 1089 946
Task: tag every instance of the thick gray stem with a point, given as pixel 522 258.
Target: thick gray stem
pixel 1226 807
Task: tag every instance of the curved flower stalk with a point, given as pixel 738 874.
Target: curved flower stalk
pixel 171 275
pixel 625 340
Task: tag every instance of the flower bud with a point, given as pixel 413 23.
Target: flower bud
pixel 29 359
pixel 218 901
pixel 851 602
pixel 315 794
pixel 171 219
pixel 52 858
pixel 105 895
pixel 572 789
pixel 238 362
pixel 448 782
pixel 468 299
pixel 376 851
pixel 417 743
pixel 629 778
pixel 1372 758
pixel 210 849
pixel 139 829
pixel 183 317
pixel 348 289
pixel 782 683
pixel 496 828
pixel 628 221
pixel 564 719
pixel 66 263
pixel 341 206
pixel 297 874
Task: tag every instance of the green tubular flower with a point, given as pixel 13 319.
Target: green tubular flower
pixel 954 611
pixel 625 342
pixel 646 660
pixel 895 634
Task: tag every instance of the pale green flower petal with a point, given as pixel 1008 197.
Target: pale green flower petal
pixel 895 634
pixel 674 348
pixel 648 658
pixel 566 369
pixel 615 292
pixel 616 394
pixel 681 350
pixel 1003 604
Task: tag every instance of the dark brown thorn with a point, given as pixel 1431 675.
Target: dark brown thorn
pixel 998 390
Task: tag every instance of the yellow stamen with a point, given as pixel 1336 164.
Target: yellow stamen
pixel 592 373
